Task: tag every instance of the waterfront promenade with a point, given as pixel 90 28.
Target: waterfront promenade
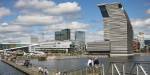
pixel 25 70
pixel 76 65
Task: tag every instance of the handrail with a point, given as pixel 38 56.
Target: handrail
pixel 120 71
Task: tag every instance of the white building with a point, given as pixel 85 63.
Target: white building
pixel 53 46
pixel 140 38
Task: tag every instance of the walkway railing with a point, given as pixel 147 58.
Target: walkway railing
pixel 114 68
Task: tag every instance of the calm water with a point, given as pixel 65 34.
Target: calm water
pixel 68 64
pixel 8 70
pixel 74 64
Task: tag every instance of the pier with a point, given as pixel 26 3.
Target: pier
pixel 26 71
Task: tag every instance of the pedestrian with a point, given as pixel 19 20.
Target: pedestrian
pixel 40 70
pixel 90 65
pixel 90 62
pixel 27 63
pixel 45 71
pixel 96 63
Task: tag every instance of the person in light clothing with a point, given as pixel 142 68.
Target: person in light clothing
pixel 90 63
pixel 45 71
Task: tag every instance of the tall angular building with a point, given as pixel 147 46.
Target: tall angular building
pixel 117 28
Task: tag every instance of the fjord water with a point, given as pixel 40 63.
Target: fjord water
pixel 70 64
pixel 78 63
pixel 5 69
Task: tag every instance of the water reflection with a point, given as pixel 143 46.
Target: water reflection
pixel 8 70
pixel 77 63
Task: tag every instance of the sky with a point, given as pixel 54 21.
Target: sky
pixel 22 19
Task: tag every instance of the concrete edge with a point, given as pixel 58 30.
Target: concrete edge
pixel 20 68
pixel 116 55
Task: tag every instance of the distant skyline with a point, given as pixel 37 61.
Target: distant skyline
pixel 20 19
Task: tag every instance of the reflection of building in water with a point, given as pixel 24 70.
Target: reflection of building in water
pixel 117 29
pixel 140 38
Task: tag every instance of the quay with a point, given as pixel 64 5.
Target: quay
pixel 25 70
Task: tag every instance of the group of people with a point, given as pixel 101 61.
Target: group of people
pixel 27 63
pixel 93 62
pixel 43 71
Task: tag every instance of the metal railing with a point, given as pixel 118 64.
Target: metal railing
pixel 114 68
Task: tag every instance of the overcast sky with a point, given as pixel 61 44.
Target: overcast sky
pixel 20 19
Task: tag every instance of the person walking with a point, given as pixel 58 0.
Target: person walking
pixel 96 63
pixel 90 65
pixel 45 71
pixel 40 70
pixel 90 62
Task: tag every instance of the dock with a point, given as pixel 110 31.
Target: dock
pixel 23 69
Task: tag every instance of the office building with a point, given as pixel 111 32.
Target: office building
pixel 147 42
pixel 65 34
pixel 80 40
pixel 57 35
pixel 62 35
pixel 80 36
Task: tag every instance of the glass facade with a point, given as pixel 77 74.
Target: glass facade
pixel 104 11
pixel 57 35
pixel 62 35
pixel 80 36
pixel 7 46
pixel 65 34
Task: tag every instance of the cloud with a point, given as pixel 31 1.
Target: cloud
pixel 4 24
pixel 62 8
pixel 10 28
pixel 49 6
pixel 141 22
pixel 4 12
pixel 74 26
pixel 77 26
pixel 141 25
pixel 94 36
pixel 148 11
pixel 38 19
pixel 51 15
pixel 39 4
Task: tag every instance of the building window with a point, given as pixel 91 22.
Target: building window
pixel 120 6
pixel 104 11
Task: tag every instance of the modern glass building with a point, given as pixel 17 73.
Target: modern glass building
pixel 7 46
pixel 80 40
pixel 65 34
pixel 58 35
pixel 62 35
pixel 80 36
